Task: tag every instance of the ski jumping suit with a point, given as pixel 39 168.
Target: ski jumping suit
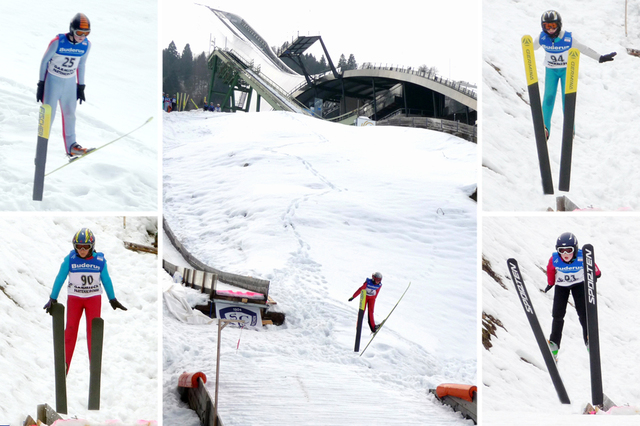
pixel 567 278
pixel 372 290
pixel 61 65
pixel 556 67
pixel 83 294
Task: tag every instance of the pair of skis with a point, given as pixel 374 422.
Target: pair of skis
pixel 44 128
pixel 571 89
pixel 597 396
pixel 60 367
pixel 383 321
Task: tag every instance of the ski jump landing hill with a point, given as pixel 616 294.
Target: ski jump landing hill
pixel 389 95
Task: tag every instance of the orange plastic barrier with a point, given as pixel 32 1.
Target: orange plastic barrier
pixel 190 380
pixel 460 391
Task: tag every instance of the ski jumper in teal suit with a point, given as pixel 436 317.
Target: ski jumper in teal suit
pixel 556 42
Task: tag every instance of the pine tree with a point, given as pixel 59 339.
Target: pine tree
pixel 342 62
pixel 351 63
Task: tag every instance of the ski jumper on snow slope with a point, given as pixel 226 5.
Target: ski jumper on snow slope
pixel 372 287
pixel 556 42
pixel 62 71
pixel 88 274
pixel 565 272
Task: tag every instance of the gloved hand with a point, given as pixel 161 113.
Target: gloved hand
pixel 350 299
pixel 549 287
pixel 81 93
pixel 608 57
pixel 115 304
pixel 40 92
pixel 49 304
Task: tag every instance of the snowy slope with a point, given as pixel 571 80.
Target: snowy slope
pixel 316 207
pixel 121 93
pixel 515 380
pixel 604 173
pixel 129 376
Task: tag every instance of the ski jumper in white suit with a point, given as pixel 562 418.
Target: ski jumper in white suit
pixel 62 68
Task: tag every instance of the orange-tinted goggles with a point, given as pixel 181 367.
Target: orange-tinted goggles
pixel 550 26
pixel 81 33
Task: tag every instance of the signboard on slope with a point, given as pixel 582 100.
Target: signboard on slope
pixel 234 311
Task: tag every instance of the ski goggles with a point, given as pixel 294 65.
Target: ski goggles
pixel 565 250
pixel 81 33
pixel 550 26
pixel 83 246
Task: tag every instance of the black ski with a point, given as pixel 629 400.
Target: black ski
pixel 59 363
pixel 95 363
pixel 536 114
pixel 44 126
pixel 591 297
pixel 570 94
pixel 537 330
pixel 363 300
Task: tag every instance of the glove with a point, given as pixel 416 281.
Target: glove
pixel 608 57
pixel 350 299
pixel 49 304
pixel 549 287
pixel 81 93
pixel 115 304
pixel 40 92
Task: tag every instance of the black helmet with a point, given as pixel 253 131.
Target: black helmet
pixel 567 240
pixel 551 17
pixel 80 22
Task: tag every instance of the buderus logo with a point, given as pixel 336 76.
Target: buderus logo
pixel 71 50
pixel 85 266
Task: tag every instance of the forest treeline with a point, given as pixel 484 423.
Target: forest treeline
pixel 186 73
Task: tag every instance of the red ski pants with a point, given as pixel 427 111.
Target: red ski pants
pixel 370 304
pixel 75 306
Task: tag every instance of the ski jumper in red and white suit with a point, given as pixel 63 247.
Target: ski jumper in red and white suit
pixel 86 278
pixel 372 289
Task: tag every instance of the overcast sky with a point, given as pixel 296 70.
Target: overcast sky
pixel 402 32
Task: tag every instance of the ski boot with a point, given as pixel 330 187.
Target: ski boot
pixel 554 349
pixel 76 151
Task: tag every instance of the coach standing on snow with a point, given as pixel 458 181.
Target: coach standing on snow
pixel 62 78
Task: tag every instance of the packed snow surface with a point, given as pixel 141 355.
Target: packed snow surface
pixel 121 94
pixel 32 250
pixel 316 208
pixel 516 387
pixel 604 173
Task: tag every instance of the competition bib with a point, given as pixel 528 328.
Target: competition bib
pixel 67 57
pixel 84 275
pixel 568 274
pixel 556 52
pixel 372 287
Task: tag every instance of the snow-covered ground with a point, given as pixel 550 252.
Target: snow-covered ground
pixel 315 208
pixel 515 381
pixel 605 151
pixel 32 250
pixel 121 92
